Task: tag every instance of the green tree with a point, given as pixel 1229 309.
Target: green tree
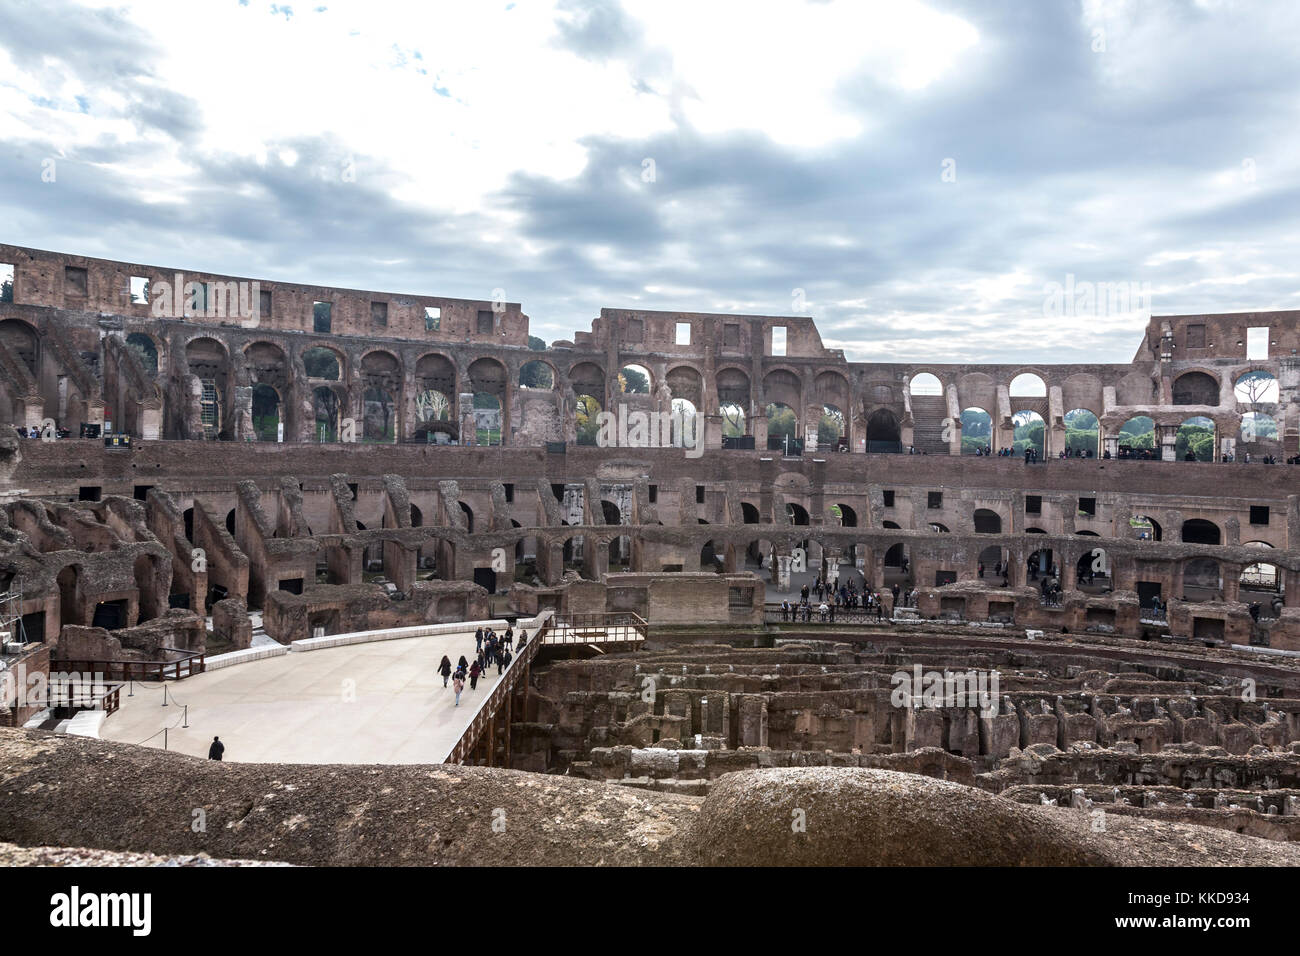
pixel 536 344
pixel 780 421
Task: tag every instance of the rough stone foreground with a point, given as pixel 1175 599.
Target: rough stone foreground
pixel 58 791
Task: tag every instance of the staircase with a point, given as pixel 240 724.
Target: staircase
pixel 928 414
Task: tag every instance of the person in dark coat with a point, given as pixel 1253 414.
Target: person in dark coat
pixel 462 664
pixel 217 749
pixel 478 639
pixel 474 670
pixel 445 669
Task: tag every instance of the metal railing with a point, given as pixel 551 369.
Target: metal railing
pixel 773 614
pixel 483 718
pixel 121 671
pixel 622 627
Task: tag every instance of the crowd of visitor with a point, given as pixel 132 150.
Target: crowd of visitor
pixel 489 648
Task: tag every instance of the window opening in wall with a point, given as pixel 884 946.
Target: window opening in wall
pixel 699 494
pixel 1033 504
pixel 139 290
pixel 731 336
pixel 321 316
pixel 264 304
pixel 379 314
pixel 75 281
pixel 936 499
pixel 432 318
pixel 510 493
pixel 1195 337
pixel 88 493
pixel 889 498
pixel 778 340
pixel 6 282
pixel 683 333
pixel 1259 514
pixel 1257 343
pixel 485 324
pixel 1088 506
pixel 654 494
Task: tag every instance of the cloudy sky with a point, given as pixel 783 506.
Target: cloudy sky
pixel 914 175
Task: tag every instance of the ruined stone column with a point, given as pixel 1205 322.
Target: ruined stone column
pixel 781 572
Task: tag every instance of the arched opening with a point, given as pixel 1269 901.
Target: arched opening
pixel 992 560
pixel 469 515
pixel 938 528
pixel 848 517
pixel 587 414
pixel 987 521
pixel 1256 387
pixel 883 433
pixel 691 430
pixel 830 428
pixel 1092 572
pixel 976 431
pixel 925 383
pixel 206 360
pixel 488 429
pixel 797 513
pixel 322 363
pixel 325 412
pixel 417 517
pixel 381 379
pixel 781 421
pixel 145 351
pixel 379 416
pixel 733 420
pixel 1145 528
pixel 1030 432
pixel 1258 429
pixel 266 413
pixel 1261 585
pixel 897 568
pixel 1041 564
pixel 1027 385
pixel 433 417
pixel 230 522
pixel 1201 531
pixel 634 380
pixel 748 513
pixel 1196 388
pixel 1137 438
pixel 22 341
pixel 733 401
pixel 536 374
pixel 713 557
pixel 1082 433
pixel 1195 441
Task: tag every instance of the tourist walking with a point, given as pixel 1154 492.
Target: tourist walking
pixel 474 670
pixel 217 749
pixel 445 669
pixel 458 685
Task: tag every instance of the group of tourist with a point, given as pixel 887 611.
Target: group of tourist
pixel 489 648
pixel 34 431
pixel 829 598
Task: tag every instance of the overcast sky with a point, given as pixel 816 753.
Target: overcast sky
pixel 913 175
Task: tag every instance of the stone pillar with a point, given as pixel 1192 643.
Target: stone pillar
pixel 752 731
pixel 1168 437
pixel 468 428
pixel 830 565
pixel 781 572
